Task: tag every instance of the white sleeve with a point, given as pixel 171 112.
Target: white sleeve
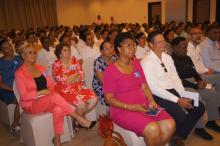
pixel 138 54
pixel 40 58
pixel 205 56
pixel 153 83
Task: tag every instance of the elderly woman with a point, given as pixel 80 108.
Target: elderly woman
pixel 68 74
pixel 8 65
pixel 99 67
pixel 127 92
pixel 37 94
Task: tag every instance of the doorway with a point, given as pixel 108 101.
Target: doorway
pixel 154 10
pixel 218 11
pixel 201 11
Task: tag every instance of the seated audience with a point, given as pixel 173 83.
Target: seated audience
pixel 31 39
pixel 53 38
pixel 104 34
pixel 126 91
pixel 194 52
pixel 100 64
pixel 188 74
pixel 169 36
pixel 37 94
pixel 142 48
pixel 112 35
pixel 70 82
pixel 97 36
pixel 166 86
pixel 19 46
pixel 8 65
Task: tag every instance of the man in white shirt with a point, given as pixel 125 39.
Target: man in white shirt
pixel 46 55
pixel 194 52
pixel 89 53
pixel 210 52
pixel 166 85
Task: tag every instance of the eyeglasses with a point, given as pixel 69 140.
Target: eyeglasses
pixel 130 46
pixel 164 67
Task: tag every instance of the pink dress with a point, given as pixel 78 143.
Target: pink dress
pixel 127 89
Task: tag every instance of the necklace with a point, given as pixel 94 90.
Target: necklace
pixel 125 68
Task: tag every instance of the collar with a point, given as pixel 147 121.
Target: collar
pixel 155 57
pixel 190 45
pixel 28 73
pixel 178 57
pixel 211 42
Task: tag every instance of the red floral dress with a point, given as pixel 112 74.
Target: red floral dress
pixel 75 93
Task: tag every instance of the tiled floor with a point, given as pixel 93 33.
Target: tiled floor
pixel 91 138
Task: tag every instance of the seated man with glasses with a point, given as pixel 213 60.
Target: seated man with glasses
pixel 166 87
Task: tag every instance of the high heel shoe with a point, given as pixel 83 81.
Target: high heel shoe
pixel 53 141
pixel 76 126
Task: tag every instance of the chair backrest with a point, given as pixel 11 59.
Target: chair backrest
pixel 88 71
pixel 17 96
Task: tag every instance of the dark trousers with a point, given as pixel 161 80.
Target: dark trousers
pixel 185 122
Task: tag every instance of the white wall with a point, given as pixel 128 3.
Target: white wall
pixel 176 10
pixel 72 12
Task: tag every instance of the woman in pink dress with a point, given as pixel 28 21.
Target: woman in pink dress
pixel 69 78
pixel 126 91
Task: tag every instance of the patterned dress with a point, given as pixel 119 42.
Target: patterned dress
pixel 100 66
pixel 75 93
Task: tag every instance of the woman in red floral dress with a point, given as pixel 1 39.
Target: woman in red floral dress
pixel 69 78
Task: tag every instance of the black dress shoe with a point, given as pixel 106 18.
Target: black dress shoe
pixel 212 125
pixel 176 141
pixel 201 132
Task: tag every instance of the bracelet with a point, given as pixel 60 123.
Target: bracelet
pixel 125 106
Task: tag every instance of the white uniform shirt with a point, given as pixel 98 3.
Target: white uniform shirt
pixel 46 59
pixel 141 52
pixel 88 52
pixel 75 52
pixel 159 80
pixel 194 53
